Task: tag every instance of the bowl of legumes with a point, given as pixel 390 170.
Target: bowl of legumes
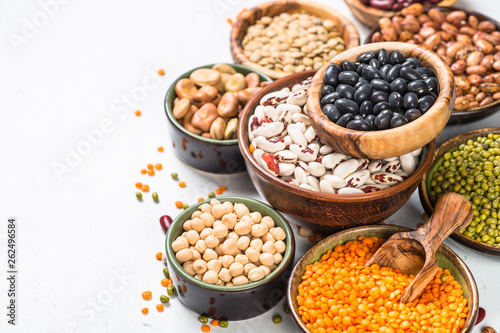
pixel 202 108
pixel 305 178
pixel 230 257
pixel 331 290
pixel 469 164
pixel 283 37
pixel 466 40
pixel 381 100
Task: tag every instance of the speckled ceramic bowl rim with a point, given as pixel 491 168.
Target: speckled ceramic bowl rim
pixel 171 94
pixel 264 209
pixel 339 238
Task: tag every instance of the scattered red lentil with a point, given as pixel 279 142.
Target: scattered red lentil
pixel 251 148
pixel 158 166
pixel 145 311
pixel 230 21
pixel 160 149
pixel 151 172
pixel 147 295
pixel 218 191
pixel 201 199
pixel 159 255
pixel 179 204
pixel 205 328
pixel 223 188
pixel 143 171
pixel 182 184
pixel 161 72
pixel 160 307
pixel 138 185
pixel 150 166
pixel 145 188
pixel 138 113
pixel 165 282
pixel 214 322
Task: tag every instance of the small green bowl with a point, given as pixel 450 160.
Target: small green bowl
pixel 216 156
pixel 446 259
pixel 234 302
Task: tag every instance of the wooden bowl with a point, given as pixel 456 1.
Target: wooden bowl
pixel 458 116
pixel 322 211
pixel 369 16
pixel 437 161
pixel 391 142
pixel 248 17
pixel 445 256
pixel 218 302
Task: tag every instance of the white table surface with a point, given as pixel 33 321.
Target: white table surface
pixel 86 246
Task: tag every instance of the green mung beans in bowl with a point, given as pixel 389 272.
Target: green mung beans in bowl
pixel 469 164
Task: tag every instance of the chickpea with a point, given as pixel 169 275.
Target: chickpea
pixel 210 277
pixel 247 268
pixel 219 210
pixel 199 266
pixel 196 254
pixel 220 231
pixel 229 206
pixel 198 276
pixel 184 255
pixel 207 218
pixel 269 247
pixel 233 235
pixel 279 234
pixel 280 246
pixel 242 228
pixel 266 259
pixel 229 220
pixel 259 230
pixel 256 217
pixel 214 202
pixel 218 250
pixel 206 208
pixel 187 225
pixel 179 244
pixel 205 233
pixel 256 274
pixel 196 213
pixel 197 224
pixel 229 284
pixel 229 246
pixel 219 283
pixel 226 260
pixel 242 259
pixel 236 269
pixel 243 243
pixel 224 275
pixel 268 237
pixel 252 254
pixel 277 258
pixel 239 280
pixel 240 210
pixel 247 218
pixel 256 243
pixel 268 220
pixel 189 267
pixel 211 241
pixel 273 267
pixel 214 265
pixel 209 254
pixel 266 269
pixel 192 236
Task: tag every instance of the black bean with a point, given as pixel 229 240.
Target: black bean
pixel 425 103
pixel 370 73
pixel 363 93
pixel 330 110
pixel 366 57
pixel 398 120
pixel 345 91
pixel 374 63
pixel 432 83
pixel 383 57
pixel 361 82
pixel 383 120
pixel 344 119
pixel 345 105
pixel 399 85
pixel 380 106
pixel 412 114
pixel 397 58
pixel 384 70
pixel 357 116
pixel 379 84
pixel 430 93
pixel 348 77
pixel 425 72
pixel 418 87
pixel 369 120
pixel 408 64
pixel 378 96
pixel 332 75
pixel 395 100
pixel 330 98
pixel 416 63
pixel 358 125
pixel 393 73
pixel 410 100
pixel 409 74
pixel 366 109
pixel 359 69
pixel 348 66
pixel 327 89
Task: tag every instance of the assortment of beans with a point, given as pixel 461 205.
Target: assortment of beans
pixel 209 101
pixel 471 47
pixel 473 170
pixel 396 5
pixel 337 294
pixel 227 245
pixel 292 42
pixel 285 144
pixel 379 91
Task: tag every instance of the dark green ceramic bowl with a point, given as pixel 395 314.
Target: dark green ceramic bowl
pixel 234 302
pixel 217 156
pixel 446 259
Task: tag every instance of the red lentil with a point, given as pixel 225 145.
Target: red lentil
pixel 147 295
pixel 138 113
pixel 160 307
pixel 161 72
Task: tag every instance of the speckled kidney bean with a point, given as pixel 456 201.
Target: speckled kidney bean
pixel 292 152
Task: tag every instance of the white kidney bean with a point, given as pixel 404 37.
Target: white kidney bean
pixel 373 188
pixel 316 169
pixel 345 168
pixel 313 182
pixel 300 118
pixel 298 98
pixel 269 129
pixel 357 178
pixel 335 181
pixel 325 150
pixel 288 107
pixel 349 190
pixel 308 187
pixel 285 156
pixel 408 163
pixel 297 135
pixel 375 166
pixel 391 166
pixel 303 152
pixel 275 98
pixel 387 178
pixel 286 169
pixel 331 161
pixel 310 134
pixel 325 187
pixel 271 113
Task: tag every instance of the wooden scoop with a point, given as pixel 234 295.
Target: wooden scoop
pixel 414 252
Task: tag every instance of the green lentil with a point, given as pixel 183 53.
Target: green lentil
pixel 443 277
pixel 170 291
pixel 223 323
pixel 277 319
pixel 155 196
pixel 138 195
pixel 211 195
pixel 166 273
pixel 174 175
pixel 164 299
pixel 185 206
pixel 203 319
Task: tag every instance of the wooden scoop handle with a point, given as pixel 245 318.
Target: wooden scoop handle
pixel 452 212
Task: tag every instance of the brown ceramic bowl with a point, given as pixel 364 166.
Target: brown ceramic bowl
pixel 445 256
pixel 248 17
pixel 369 16
pixel 390 142
pixel 473 113
pixel 234 302
pixel 437 161
pixel 324 211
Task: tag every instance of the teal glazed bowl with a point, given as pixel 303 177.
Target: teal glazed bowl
pixel 233 302
pixel 210 155
pixel 445 256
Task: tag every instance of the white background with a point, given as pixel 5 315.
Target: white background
pixel 69 74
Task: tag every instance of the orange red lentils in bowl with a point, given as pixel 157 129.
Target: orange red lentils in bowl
pixel 338 295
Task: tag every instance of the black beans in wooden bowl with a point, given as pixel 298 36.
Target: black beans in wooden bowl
pixel 380 91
